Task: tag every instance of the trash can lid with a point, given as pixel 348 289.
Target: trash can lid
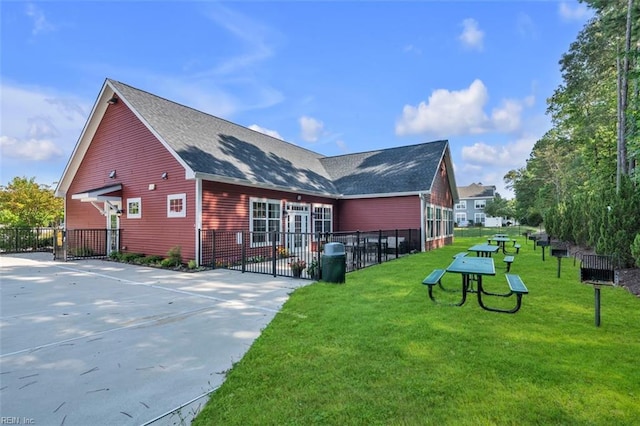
pixel 334 248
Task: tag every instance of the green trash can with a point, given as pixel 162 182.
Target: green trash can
pixel 334 263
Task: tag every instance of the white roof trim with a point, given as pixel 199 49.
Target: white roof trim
pixel 98 194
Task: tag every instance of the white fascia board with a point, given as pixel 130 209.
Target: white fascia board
pixel 82 145
pixel 384 195
pixel 244 182
pixel 189 173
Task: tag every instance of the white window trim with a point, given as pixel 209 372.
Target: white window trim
pixel 462 205
pixel 313 218
pixel 480 204
pixel 134 215
pixel 182 197
pixel 251 219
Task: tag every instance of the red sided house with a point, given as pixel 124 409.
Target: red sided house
pixel 160 174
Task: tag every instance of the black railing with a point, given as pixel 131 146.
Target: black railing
pixel 18 240
pixel 88 243
pixel 277 253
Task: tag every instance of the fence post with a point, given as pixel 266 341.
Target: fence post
pixel 396 248
pixel 274 254
pixel 243 253
pixel 213 248
pixel 380 246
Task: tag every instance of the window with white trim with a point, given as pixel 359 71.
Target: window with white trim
pixel 461 218
pixel 177 205
pixel 462 205
pixel 264 218
pixel 479 218
pixel 480 204
pixel 134 208
pixel 438 225
pixel 430 222
pixel 322 219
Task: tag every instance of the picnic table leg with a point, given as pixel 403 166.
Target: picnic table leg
pixel 488 308
pixel 597 297
pixel 462 301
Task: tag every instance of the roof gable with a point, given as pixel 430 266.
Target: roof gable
pixel 406 169
pixel 476 190
pixel 215 149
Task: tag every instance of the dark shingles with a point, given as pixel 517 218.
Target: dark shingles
pixel 218 148
pixel 394 170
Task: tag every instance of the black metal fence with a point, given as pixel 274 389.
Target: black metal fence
pixel 282 253
pixel 85 243
pixel 18 240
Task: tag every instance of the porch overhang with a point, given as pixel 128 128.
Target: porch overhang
pixel 99 194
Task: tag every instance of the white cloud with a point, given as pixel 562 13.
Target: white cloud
pixel 342 146
pixel 40 22
pixel 461 112
pixel 506 118
pixel 526 26
pixel 272 133
pixel 471 37
pixel 510 155
pixel 29 149
pixel 575 12
pixel 447 113
pixel 410 48
pixel 37 124
pixel 310 128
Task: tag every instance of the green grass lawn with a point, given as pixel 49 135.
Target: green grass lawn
pixel 376 350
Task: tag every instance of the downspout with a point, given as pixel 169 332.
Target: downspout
pixel 198 223
pixel 423 242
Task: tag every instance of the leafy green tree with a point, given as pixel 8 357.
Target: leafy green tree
pixel 500 207
pixel 24 203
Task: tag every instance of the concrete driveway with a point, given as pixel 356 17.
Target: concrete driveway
pixel 102 343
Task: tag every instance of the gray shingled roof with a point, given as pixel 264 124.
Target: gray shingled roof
pixel 476 190
pixel 394 170
pixel 218 148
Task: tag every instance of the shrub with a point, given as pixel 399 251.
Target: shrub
pixel 150 260
pixel 192 264
pixel 169 263
pixel 635 250
pixel 175 255
pixel 131 257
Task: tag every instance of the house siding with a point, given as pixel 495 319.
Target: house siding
pixel 441 196
pixel 122 143
pixel 225 207
pixel 370 214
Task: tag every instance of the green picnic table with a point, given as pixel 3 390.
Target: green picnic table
pixel 484 250
pixel 472 270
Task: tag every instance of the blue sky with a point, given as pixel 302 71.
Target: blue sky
pixel 334 77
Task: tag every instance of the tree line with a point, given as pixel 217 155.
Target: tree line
pixel 582 177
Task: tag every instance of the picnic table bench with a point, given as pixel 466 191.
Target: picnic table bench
pixel 477 266
pixel 434 278
pixel 509 260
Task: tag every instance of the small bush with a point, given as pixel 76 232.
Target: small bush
pixel 192 264
pixel 175 255
pixel 169 263
pixel 131 257
pixel 635 250
pixel 150 260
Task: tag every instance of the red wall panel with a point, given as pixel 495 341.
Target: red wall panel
pixel 370 214
pixel 122 143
